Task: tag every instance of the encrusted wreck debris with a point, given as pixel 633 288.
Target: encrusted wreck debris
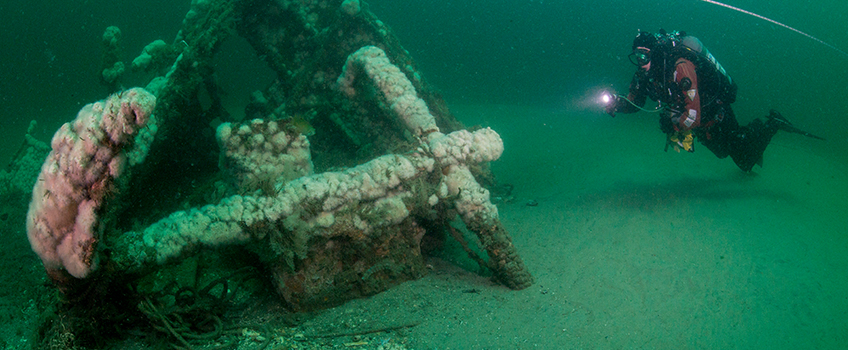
pixel 344 164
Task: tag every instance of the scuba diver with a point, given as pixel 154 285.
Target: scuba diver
pixel 695 92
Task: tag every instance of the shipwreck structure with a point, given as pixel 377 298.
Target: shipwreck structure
pixel 343 167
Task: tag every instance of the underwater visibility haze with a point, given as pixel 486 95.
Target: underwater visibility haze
pixel 547 224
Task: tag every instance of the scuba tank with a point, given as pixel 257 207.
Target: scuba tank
pixel 722 87
pixel 707 65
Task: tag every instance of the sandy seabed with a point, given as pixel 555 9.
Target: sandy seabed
pixel 631 248
pixel 634 248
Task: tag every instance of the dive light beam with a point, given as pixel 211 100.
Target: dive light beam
pixel 776 22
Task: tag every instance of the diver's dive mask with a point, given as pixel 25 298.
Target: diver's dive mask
pixel 640 56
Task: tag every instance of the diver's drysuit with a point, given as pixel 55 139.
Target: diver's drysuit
pixel 696 94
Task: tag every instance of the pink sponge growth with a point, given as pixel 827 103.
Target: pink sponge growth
pixel 87 156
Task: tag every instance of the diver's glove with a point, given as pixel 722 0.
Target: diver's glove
pixel 612 105
pixel 666 125
pixel 681 139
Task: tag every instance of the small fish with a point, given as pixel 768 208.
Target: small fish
pixel 301 125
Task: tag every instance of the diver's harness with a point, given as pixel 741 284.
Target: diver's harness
pixel 670 48
pixel 676 45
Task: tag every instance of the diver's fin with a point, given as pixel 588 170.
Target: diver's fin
pixel 781 123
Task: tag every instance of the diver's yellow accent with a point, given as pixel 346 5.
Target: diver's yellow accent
pixel 682 139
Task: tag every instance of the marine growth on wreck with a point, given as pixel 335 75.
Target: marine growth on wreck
pixel 344 173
